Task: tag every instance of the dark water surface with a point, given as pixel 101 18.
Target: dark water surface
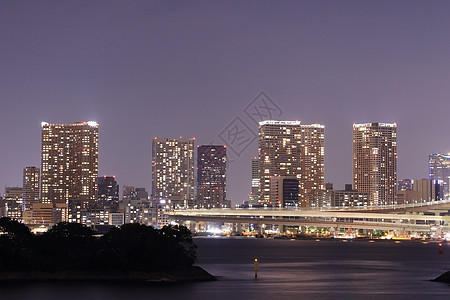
pixel 289 269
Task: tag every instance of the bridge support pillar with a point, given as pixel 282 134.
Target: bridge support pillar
pixel 259 228
pixel 237 228
pixel 192 226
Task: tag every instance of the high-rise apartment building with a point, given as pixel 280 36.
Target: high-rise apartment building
pixel 439 170
pixel 211 176
pixel 69 162
pixel 173 171
pixel 31 184
pixel 287 148
pixel 375 161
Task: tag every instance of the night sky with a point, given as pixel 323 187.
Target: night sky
pixel 191 68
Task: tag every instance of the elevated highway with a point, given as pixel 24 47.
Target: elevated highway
pixel 413 217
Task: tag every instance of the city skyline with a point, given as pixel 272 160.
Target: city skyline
pixel 191 69
pixel 187 140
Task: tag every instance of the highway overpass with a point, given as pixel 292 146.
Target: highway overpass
pixel 414 217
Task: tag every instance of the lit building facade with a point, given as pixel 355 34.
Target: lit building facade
pixel 375 161
pixel 69 162
pixel 287 148
pixel 320 198
pixel 128 193
pixel 12 202
pixel 254 194
pixel 348 197
pixel 116 219
pixel 405 185
pixel 31 184
pixel 173 171
pixel 439 170
pixel 211 176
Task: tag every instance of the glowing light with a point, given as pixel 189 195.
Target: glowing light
pixel 215 231
pixel 273 122
pixel 44 124
pixel 92 123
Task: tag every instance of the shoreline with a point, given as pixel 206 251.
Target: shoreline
pixel 193 274
pixel 364 239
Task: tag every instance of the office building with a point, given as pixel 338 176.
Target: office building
pixel 128 193
pixel 42 213
pixel 108 191
pixel 12 202
pixel 405 185
pixel 137 211
pixel 284 191
pixel 349 197
pixel 426 189
pixel 375 161
pixel 116 219
pixel 407 197
pixel 141 194
pixel 31 183
pixel 439 171
pixel 319 199
pixel 287 148
pixel 211 176
pixel 69 162
pixel 173 171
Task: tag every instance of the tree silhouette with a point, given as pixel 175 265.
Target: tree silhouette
pixel 72 246
pixel 15 240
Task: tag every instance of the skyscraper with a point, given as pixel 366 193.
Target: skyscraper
pixel 173 171
pixel 31 185
pixel 211 176
pixel 287 148
pixel 375 161
pixel 439 170
pixel 254 194
pixel 69 162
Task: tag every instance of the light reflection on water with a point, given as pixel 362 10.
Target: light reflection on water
pixel 292 269
pixel 288 270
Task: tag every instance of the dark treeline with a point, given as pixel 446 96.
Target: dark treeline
pixel 72 247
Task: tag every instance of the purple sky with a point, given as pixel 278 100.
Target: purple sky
pixel 177 68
